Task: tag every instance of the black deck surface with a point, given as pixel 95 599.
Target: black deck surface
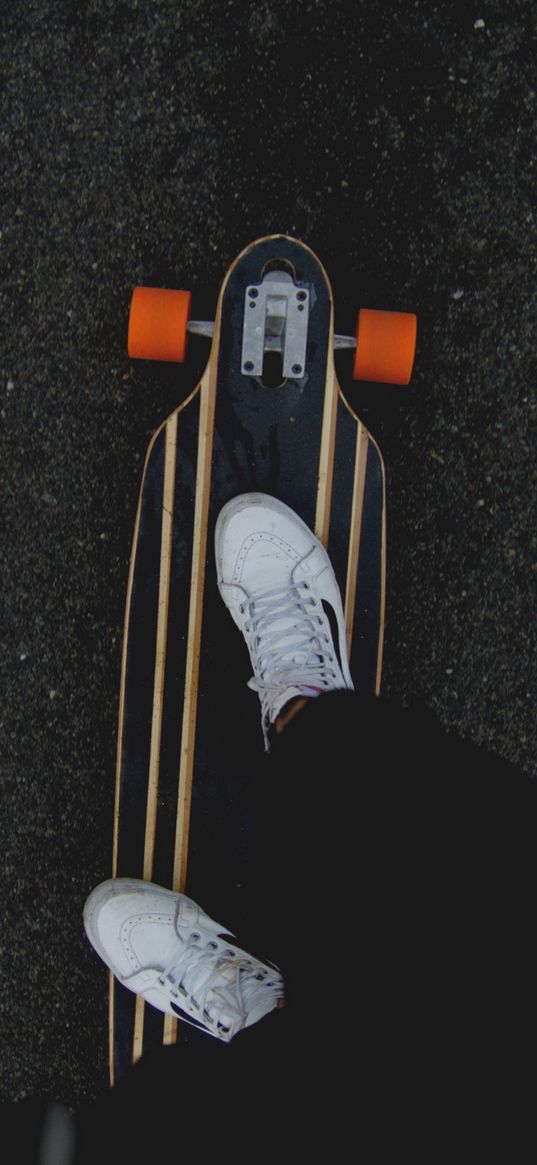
pixel 266 439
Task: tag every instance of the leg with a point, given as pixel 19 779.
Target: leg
pixel 396 887
pixel 414 848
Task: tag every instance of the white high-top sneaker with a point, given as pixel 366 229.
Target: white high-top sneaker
pixel 277 581
pixel 162 946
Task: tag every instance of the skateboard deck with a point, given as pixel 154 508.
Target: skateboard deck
pixel 189 729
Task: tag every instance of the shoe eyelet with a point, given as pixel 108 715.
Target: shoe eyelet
pixel 212 945
pixel 195 937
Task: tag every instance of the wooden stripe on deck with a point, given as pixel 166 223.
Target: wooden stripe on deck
pixel 328 444
pixel 119 758
pixel 197 587
pixel 360 465
pixel 158 684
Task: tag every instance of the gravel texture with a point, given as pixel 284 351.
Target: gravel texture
pixel 149 142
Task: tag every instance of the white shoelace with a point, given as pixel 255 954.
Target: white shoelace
pixel 219 985
pixel 289 644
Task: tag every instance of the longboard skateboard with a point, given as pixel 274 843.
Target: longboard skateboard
pixel 268 415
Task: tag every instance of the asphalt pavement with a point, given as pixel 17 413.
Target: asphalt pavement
pixel 149 142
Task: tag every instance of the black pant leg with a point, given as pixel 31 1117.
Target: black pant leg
pixel 413 847
pixel 397 892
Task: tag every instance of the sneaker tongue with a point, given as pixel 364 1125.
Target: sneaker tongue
pixel 287 631
pixel 227 973
pixel 282 629
pixel 222 1004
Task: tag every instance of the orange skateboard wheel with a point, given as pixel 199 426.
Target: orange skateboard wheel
pixel 385 346
pixel 158 324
